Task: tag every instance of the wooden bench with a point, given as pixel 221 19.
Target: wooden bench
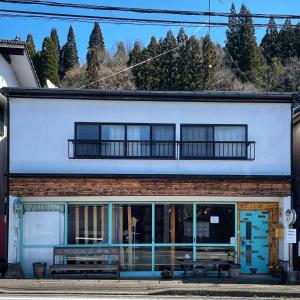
pixel 86 261
pixel 217 264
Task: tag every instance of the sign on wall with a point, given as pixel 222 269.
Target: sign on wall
pixel 291 236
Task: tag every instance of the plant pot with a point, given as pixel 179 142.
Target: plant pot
pixel 234 270
pixel 200 272
pixel 39 269
pixel 166 274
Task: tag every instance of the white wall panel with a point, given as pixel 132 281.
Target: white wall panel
pixel 40 130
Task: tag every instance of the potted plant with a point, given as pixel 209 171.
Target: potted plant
pixel 39 269
pixel 166 273
pixel 235 268
pixel 276 270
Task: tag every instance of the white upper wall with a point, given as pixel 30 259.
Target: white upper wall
pixel 40 128
pixel 7 75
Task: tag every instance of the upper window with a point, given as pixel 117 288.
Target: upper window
pixel 124 140
pixel 214 141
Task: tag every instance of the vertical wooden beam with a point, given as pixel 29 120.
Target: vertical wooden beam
pixel 130 261
pixel 95 219
pixel 172 233
pixel 86 224
pixel 77 224
pixel 121 234
pixel 166 223
pixel 103 224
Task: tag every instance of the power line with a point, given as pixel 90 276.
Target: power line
pixel 145 10
pixel 119 20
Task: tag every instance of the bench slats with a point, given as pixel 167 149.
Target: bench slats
pixel 86 254
pixel 84 267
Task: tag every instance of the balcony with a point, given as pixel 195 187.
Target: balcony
pixel 176 150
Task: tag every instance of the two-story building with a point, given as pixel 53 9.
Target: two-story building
pixel 160 175
pixel 16 70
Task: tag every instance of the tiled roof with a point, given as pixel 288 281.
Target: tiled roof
pixel 19 42
pixel 13 42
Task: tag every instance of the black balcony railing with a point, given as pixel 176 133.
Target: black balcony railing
pixel 186 150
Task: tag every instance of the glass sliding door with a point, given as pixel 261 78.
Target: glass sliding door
pixel 132 232
pixel 174 223
pixel 155 236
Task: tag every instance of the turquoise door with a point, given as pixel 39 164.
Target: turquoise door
pixel 254 242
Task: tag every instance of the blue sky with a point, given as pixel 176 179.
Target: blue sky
pixel 10 27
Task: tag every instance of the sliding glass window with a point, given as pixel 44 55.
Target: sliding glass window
pixel 96 140
pixel 214 142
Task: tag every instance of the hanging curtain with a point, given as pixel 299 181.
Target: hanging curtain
pixel 228 134
pixel 115 134
pixel 138 138
pixel 162 140
pixel 201 134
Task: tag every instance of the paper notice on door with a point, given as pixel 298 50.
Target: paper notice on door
pixel 214 219
pixel 232 240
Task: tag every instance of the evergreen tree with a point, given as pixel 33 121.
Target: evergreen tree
pixel 188 62
pixel 49 62
pixel 92 68
pixel 120 54
pixel 297 39
pixel 55 40
pixel 209 62
pixel 232 45
pixel 95 54
pixel 287 42
pixel 250 59
pixel 151 70
pixel 30 46
pixel 35 56
pixel 168 64
pixel 269 43
pixel 96 38
pixel 69 52
pixel 135 56
pixel 182 76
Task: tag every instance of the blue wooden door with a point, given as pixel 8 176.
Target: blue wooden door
pixel 254 241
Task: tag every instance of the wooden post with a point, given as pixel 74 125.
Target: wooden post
pixel 95 224
pixel 172 233
pixel 130 262
pixel 166 223
pixel 86 224
pixel 77 225
pixel 121 234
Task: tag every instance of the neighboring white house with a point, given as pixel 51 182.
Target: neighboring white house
pixel 160 175
pixel 16 70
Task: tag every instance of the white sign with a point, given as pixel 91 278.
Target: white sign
pixel 214 219
pixel 291 236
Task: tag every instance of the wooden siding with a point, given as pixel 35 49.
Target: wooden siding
pixel 37 187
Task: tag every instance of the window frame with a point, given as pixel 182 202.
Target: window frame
pixel 213 157
pixel 125 156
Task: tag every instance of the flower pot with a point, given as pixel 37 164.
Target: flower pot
pixel 200 272
pixel 234 270
pixel 39 269
pixel 166 274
